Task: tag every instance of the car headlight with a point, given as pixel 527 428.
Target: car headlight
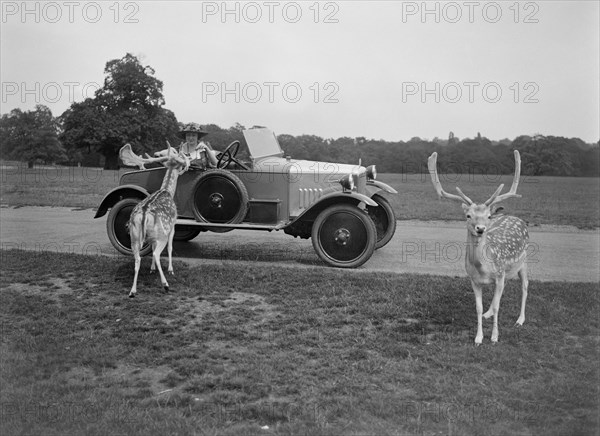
pixel 347 182
pixel 371 172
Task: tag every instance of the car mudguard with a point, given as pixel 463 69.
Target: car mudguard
pixel 332 198
pixel 117 194
pixel 374 186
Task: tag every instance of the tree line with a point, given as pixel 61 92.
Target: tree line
pixel 540 155
pixel 129 108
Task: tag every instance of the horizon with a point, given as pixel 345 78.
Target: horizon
pixel 425 139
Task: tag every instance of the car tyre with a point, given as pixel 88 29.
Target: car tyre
pixel 219 196
pixel 384 218
pixel 185 234
pixel 344 236
pixel 116 227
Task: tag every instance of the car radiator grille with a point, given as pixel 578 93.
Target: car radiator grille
pixel 361 183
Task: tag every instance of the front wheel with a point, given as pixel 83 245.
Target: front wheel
pixel 344 236
pixel 116 227
pixel 384 218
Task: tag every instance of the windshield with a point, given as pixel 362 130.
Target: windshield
pixel 262 143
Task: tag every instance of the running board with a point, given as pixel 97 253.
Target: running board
pixel 194 223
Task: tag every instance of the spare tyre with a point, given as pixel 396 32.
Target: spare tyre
pixel 219 197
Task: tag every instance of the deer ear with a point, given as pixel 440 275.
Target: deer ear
pixel 498 210
pixel 465 207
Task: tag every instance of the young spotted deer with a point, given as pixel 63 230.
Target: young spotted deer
pixel 153 219
pixel 496 246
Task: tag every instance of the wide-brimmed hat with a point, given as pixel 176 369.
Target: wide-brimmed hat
pixel 192 128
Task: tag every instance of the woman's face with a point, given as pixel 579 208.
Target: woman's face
pixel 191 138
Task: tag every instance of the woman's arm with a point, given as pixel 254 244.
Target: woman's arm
pixel 210 153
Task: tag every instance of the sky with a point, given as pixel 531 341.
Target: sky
pixel 388 70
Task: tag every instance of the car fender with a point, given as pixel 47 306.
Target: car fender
pixel 374 186
pixel 119 193
pixel 333 198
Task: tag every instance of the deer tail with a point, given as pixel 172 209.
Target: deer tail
pixel 137 228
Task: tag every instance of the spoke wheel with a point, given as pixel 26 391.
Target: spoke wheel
pixel 116 227
pixel 384 218
pixel 344 236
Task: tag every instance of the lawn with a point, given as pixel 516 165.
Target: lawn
pixel 546 200
pixel 55 186
pixel 237 349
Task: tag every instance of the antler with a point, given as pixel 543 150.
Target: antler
pixel 129 158
pixel 181 157
pixel 432 165
pixel 495 198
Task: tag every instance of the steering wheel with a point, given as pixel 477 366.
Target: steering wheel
pixel 228 155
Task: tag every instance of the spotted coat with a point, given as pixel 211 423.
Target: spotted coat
pixel 507 239
pixel 159 222
pixel 502 249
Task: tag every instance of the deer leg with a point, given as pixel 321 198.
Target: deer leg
pixel 479 307
pixel 490 311
pixel 159 247
pixel 524 285
pixel 170 250
pixel 138 259
pixel 496 306
pixel 153 266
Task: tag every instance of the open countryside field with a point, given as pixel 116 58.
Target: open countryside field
pixel 546 200
pixel 247 350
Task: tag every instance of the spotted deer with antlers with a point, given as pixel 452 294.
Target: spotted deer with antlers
pixel 496 246
pixel 153 219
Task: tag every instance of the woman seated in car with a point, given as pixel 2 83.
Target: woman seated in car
pixel 200 153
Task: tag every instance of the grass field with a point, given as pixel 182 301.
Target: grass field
pixel 237 348
pixel 546 200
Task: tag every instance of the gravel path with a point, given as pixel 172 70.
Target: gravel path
pixel 556 253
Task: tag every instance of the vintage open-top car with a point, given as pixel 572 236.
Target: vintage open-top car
pixel 339 206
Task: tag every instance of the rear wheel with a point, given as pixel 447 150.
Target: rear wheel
pixel 116 227
pixel 344 236
pixel 384 218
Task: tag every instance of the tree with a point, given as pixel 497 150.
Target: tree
pixel 127 109
pixel 292 147
pixel 31 136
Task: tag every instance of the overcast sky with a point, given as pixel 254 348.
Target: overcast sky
pixel 390 70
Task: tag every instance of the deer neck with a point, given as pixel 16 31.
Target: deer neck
pixel 475 255
pixel 170 181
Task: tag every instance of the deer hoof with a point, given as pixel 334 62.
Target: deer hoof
pixel 166 288
pixel 131 295
pixel 488 314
